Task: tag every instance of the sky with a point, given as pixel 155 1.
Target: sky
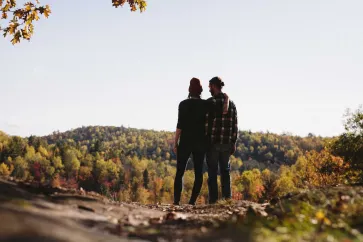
pixel 289 66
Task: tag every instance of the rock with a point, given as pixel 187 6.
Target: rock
pixel 137 221
pixel 156 220
pixel 175 216
pixel 203 229
pixel 86 208
pixel 170 216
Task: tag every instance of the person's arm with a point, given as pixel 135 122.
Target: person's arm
pixel 210 111
pixel 225 104
pixel 179 127
pixel 234 129
pixel 176 141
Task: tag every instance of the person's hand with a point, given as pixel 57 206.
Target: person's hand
pixel 175 149
pixel 225 104
pixel 233 149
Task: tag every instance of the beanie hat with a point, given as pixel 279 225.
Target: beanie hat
pixel 195 88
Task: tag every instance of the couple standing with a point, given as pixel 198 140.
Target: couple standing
pixel 205 128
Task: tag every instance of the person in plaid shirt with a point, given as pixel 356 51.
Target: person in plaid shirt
pixel 222 129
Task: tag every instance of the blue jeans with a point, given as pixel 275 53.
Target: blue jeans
pixel 218 154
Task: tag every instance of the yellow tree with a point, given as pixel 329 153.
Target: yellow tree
pixel 4 170
pixel 252 184
pixel 168 188
pixel 142 195
pixel 18 20
pixel 156 192
pixel 285 183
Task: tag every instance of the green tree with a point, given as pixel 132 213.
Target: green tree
pixel 285 183
pixel 125 194
pixel 71 163
pixel 252 184
pixel 236 163
pixel 268 156
pixel 349 145
pixel 20 168
pixel 57 163
pixel 106 171
pixel 268 179
pixel 16 147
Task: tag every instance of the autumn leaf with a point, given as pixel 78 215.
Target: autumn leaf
pixel 6 7
pixel 19 13
pixel 47 11
pixel 6 30
pixel 16 38
pixel 28 7
pixel 12 28
pixel 26 35
pixel 35 14
pixel 12 3
pixel 31 28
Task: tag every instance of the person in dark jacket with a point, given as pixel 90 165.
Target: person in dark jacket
pixel 191 138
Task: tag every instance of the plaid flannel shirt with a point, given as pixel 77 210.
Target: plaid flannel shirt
pixel 222 128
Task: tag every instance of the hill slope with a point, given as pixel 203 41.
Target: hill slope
pixel 267 149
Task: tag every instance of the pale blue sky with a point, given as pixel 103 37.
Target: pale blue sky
pixel 290 66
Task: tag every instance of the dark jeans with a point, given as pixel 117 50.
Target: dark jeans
pixel 182 161
pixel 219 154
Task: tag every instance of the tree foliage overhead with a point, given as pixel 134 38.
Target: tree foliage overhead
pixel 134 4
pixel 17 20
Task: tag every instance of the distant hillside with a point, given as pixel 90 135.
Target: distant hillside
pixel 255 149
pixel 139 165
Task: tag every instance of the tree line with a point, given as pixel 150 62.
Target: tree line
pixel 138 165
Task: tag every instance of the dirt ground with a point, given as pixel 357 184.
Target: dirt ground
pixel 29 213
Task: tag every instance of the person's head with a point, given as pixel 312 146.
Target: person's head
pixel 215 85
pixel 195 88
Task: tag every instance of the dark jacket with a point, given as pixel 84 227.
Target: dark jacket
pixel 192 121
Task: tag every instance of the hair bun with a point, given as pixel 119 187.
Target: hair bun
pixel 222 84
